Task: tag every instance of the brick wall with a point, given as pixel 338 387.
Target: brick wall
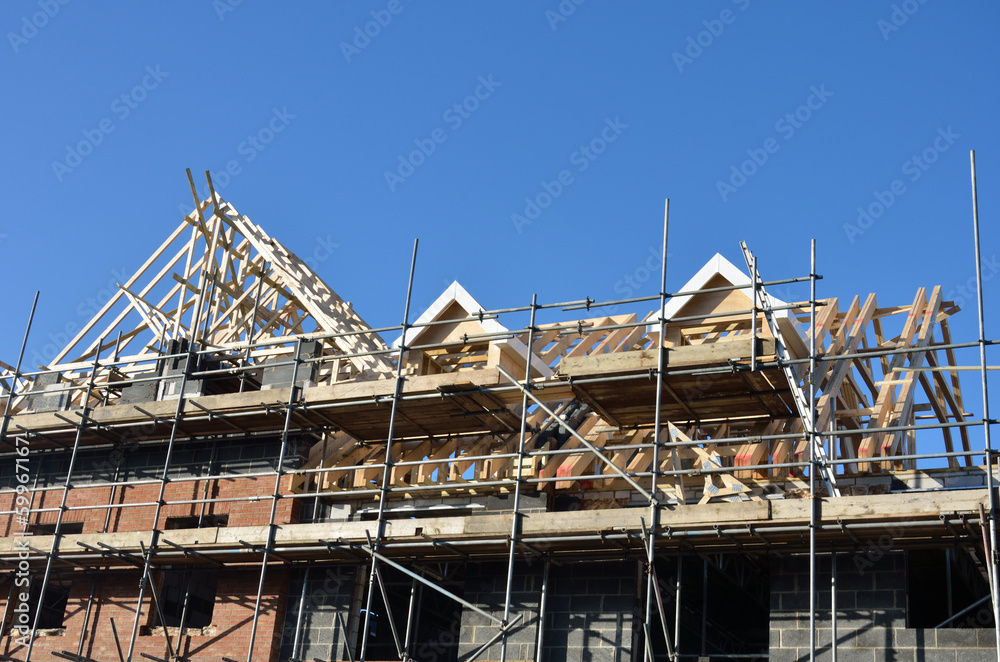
pixel 871 615
pixel 115 597
pixel 95 466
pixel 329 592
pixel 116 591
pixel 591 608
pixel 485 586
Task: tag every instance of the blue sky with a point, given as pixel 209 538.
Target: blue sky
pixel 348 129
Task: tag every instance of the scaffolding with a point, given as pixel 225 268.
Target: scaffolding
pixel 722 422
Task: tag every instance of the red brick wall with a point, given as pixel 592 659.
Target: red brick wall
pixel 140 518
pixel 7 523
pixel 115 597
pixel 117 590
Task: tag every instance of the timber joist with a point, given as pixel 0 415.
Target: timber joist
pixel 429 405
pixel 701 383
pixel 770 526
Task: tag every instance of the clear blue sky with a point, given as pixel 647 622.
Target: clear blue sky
pixel 106 104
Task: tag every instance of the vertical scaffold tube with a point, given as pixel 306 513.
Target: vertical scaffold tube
pixel 833 606
pixel 515 530
pixel 67 486
pixel 387 466
pixel 293 397
pixel 812 452
pixel 189 360
pixel 8 407
pixel 995 581
pixel 654 511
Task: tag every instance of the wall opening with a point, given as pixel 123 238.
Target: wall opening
pixel 725 606
pixel 66 529
pixel 187 596
pixel 436 617
pixel 196 522
pixel 52 611
pixel 941 583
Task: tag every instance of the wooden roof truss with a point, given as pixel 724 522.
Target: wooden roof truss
pixel 859 392
pixel 732 397
pixel 220 282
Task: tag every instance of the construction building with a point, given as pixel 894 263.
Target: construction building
pixel 227 463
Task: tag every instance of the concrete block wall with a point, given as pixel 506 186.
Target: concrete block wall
pixel 329 591
pixel 916 479
pixel 591 610
pixel 277 372
pixel 48 393
pixel 871 615
pixel 115 597
pixel 485 586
